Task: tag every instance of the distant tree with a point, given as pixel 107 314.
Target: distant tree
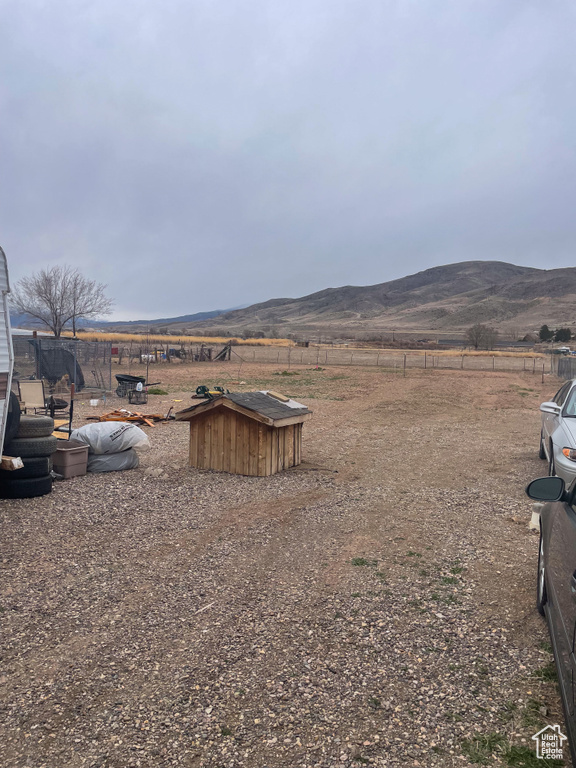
pixel 482 336
pixel 475 334
pixel 563 334
pixel 58 297
pixel 87 298
pixel 545 334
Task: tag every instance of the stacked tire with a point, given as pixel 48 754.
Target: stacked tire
pixel 34 444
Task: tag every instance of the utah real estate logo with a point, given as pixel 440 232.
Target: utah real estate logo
pixel 549 743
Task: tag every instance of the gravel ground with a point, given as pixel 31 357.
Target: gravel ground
pixel 373 606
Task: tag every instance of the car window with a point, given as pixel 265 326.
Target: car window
pixel 570 404
pixel 560 396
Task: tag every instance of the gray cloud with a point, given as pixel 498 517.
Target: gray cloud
pixel 196 155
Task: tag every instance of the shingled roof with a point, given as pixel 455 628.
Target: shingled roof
pixel 263 405
pixel 267 405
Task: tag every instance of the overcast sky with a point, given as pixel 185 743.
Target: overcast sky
pixel 204 154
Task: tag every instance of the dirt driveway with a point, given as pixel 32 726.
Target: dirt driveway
pixel 374 606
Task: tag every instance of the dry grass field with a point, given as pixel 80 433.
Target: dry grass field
pixel 373 606
pixel 145 340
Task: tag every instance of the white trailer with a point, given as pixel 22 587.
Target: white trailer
pixel 6 351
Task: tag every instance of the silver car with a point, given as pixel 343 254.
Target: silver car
pixel 558 435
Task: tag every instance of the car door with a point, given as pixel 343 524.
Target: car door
pixel 550 421
pixel 561 583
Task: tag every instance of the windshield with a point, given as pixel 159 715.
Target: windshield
pixel 570 404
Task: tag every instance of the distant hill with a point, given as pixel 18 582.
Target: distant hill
pixel 448 298
pixel 25 321
pixel 182 320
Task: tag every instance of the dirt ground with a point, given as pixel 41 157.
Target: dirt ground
pixel 373 606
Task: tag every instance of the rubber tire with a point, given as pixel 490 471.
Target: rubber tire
pixel 542 452
pixel 12 418
pixel 36 466
pixel 26 489
pixel 32 446
pixel 35 425
pixel 551 464
pixel 541 596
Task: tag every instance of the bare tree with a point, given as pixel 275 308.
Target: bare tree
pixel 59 296
pixel 482 336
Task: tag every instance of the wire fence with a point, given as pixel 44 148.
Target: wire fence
pixel 61 362
pixel 397 360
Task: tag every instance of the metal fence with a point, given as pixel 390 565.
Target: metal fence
pixel 398 360
pixel 61 362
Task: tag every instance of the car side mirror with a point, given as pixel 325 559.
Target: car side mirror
pixel 546 489
pixel 551 408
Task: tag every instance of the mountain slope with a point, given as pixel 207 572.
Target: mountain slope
pixel 450 297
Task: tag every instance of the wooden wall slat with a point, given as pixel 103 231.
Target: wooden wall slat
pixel 274 450
pixel 243 447
pixel 236 460
pixel 195 429
pixel 213 442
pixel 206 453
pixel 201 443
pixel 232 443
pixel 296 459
pixel 229 429
pixel 268 449
pixel 193 455
pixel 220 439
pixel 217 444
pixel 253 448
pixel 261 450
pixel 285 448
pixel 281 449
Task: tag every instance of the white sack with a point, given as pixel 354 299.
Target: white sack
pixel 111 437
pixel 113 462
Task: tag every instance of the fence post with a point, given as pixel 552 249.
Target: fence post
pixel 378 359
pixel 543 364
pixel 425 361
pixel 533 365
pixel 404 374
pixel 493 362
pixel 462 362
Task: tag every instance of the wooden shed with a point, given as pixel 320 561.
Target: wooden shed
pixel 246 433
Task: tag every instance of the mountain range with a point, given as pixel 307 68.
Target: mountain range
pixel 446 299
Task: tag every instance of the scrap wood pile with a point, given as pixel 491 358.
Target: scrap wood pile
pixel 121 414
